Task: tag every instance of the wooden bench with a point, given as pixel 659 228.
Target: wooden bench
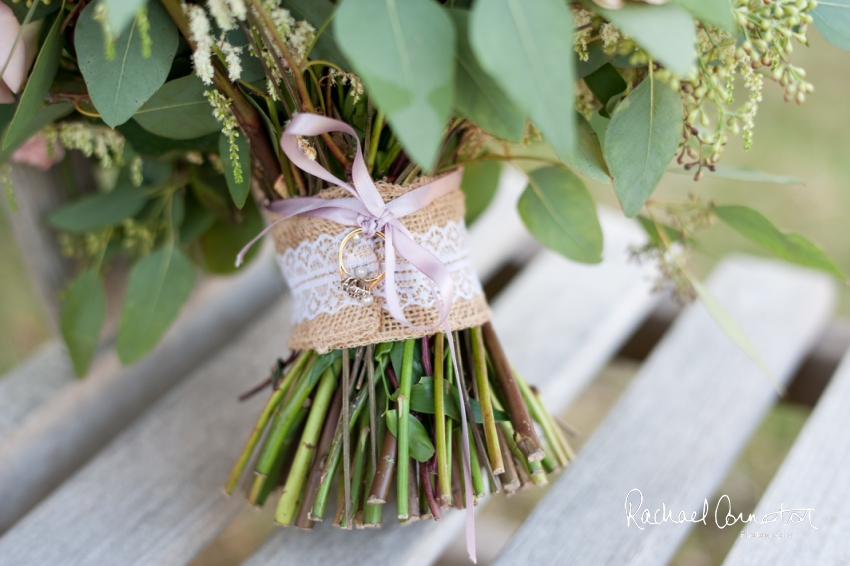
pixel 138 479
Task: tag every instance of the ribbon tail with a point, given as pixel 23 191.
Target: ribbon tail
pixel 467 466
pixel 240 257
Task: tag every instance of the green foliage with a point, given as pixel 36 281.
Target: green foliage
pixel 404 52
pixel 42 9
pixel 179 110
pixel 158 286
pixel 477 96
pixel 101 210
pixel 43 116
pixel 788 246
pixel 558 211
pixel 832 18
pixel 665 32
pixel 730 327
pixel 81 319
pixel 422 401
pixel 480 181
pixel 743 174
pixel 320 13
pixel 239 187
pixel 120 86
pixel 524 47
pixel 715 12
pixel 421 447
pixel 605 83
pixel 215 250
pixel 146 143
pixel 119 13
pixel 41 77
pixel 587 157
pixel 641 140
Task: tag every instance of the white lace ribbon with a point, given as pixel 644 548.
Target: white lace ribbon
pixel 311 271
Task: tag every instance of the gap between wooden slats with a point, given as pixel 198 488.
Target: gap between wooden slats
pixel 816 475
pixel 679 425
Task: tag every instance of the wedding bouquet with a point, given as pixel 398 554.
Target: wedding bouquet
pixel 370 133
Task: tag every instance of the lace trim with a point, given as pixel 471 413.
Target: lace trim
pixel 312 273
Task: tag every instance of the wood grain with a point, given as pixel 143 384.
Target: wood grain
pixel 815 474
pixel 679 425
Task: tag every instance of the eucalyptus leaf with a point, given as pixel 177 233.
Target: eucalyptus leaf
pixel 605 83
pixel 715 12
pixel 730 327
pixel 596 57
pixel 120 86
pixel 558 211
pixel 422 401
pixel 179 110
pixel 832 18
pixel 670 233
pixel 119 13
pixel 239 188
pixel 641 140
pixel 147 143
pixel 322 363
pixel 666 32
pixel 421 447
pixel 320 14
pixel 527 48
pixel 404 52
pixel 215 250
pixel 20 9
pixel 45 115
pixel 81 319
pixel 587 157
pixel 742 174
pixel 197 219
pixel 38 84
pixel 158 286
pixel 100 210
pixel 480 182
pixel 477 96
pixel 788 246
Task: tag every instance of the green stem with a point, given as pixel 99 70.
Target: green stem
pixel 533 469
pixel 372 511
pixel 403 464
pixel 479 356
pixel 269 409
pixel 357 476
pixel 291 496
pixel 261 488
pixel 541 416
pixel 477 479
pixel 336 450
pixel 375 138
pixel 283 420
pixel 444 479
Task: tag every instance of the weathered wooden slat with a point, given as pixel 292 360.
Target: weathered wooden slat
pixel 679 425
pixel 815 475
pixel 197 420
pixel 159 483
pixel 31 384
pixel 64 431
pixel 560 321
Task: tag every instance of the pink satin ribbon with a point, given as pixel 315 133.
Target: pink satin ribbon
pixel 368 211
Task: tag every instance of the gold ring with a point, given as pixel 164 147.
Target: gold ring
pixel 343 272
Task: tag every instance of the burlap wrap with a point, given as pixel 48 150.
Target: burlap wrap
pixel 355 324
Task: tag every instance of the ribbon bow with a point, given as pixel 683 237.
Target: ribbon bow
pixel 368 211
